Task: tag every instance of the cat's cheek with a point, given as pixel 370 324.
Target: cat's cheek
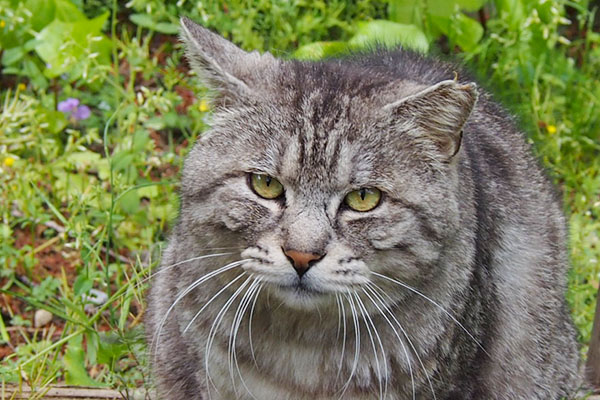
pixel 360 231
pixel 339 275
pixel 244 215
pixel 267 262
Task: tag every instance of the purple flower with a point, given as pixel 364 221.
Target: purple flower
pixel 71 106
pixel 68 105
pixel 82 112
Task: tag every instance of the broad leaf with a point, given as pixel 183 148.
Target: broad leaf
pixel 42 13
pixel 470 5
pixel 147 21
pixel 467 32
pixel 74 360
pixel 441 8
pixel 460 29
pixel 406 11
pixel 67 11
pixel 318 50
pixel 65 46
pixel 389 34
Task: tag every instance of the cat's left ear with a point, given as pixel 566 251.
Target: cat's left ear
pixel 231 72
pixel 439 113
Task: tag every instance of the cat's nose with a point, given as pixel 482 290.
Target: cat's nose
pixel 302 261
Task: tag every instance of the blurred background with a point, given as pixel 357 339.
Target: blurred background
pixel 99 108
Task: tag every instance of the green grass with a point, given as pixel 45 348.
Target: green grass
pixel 87 203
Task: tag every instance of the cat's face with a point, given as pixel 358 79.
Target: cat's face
pixel 323 179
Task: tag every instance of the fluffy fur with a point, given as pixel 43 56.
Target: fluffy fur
pixel 451 288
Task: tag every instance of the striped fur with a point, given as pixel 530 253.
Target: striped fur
pixel 454 283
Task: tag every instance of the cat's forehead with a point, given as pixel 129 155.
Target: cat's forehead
pixel 334 89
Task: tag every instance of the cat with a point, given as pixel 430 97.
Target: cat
pixel 368 227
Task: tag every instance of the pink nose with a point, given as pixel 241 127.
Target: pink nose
pixel 302 261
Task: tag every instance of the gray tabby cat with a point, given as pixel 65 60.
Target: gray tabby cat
pixel 367 228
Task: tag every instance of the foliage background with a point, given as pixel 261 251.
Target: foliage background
pixel 85 202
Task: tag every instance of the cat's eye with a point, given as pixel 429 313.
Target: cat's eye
pixel 364 199
pixel 266 186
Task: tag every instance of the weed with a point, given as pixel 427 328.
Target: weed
pixel 99 110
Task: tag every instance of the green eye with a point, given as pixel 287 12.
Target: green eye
pixel 266 186
pixel 364 199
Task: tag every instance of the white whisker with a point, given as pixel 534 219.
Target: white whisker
pixel 195 284
pixel 250 325
pixel 339 327
pixel 408 360
pixel 356 343
pixel 210 301
pixel 217 321
pixel 341 303
pixel 403 332
pixel 235 326
pixel 368 321
pixel 189 260
pixel 404 285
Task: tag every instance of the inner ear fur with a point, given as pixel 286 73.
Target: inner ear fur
pixel 439 113
pixel 231 72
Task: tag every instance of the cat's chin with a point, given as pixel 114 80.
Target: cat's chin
pixel 300 297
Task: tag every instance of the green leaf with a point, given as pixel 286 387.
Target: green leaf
pixel 130 202
pixel 150 191
pixel 65 45
pixel 441 8
pixel 111 348
pixel 470 5
pixel 122 160
pixel 143 20
pixel 513 11
pixel 147 21
pixel 140 139
pixel 4 336
pixel 31 70
pixel 11 56
pixel 92 346
pixel 42 13
pixel 124 309
pixel 56 120
pixel 319 50
pixel 82 285
pixel 167 27
pixel 156 123
pixel 467 32
pixel 45 289
pixel 406 11
pixel 460 29
pixel 389 34
pixel 74 359
pixel 68 12
pixel 82 160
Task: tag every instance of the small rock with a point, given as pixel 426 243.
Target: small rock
pixel 41 318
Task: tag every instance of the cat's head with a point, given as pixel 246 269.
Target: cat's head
pixel 325 172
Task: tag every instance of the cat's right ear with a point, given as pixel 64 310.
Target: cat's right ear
pixel 234 74
pixel 438 113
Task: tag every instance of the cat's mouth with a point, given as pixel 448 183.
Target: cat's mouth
pixel 300 295
pixel 300 289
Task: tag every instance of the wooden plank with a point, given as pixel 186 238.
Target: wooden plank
pixel 592 368
pixel 59 392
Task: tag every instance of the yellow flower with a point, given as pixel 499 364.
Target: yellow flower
pixel 203 106
pixel 21 87
pixel 2 24
pixel 551 129
pixel 9 161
